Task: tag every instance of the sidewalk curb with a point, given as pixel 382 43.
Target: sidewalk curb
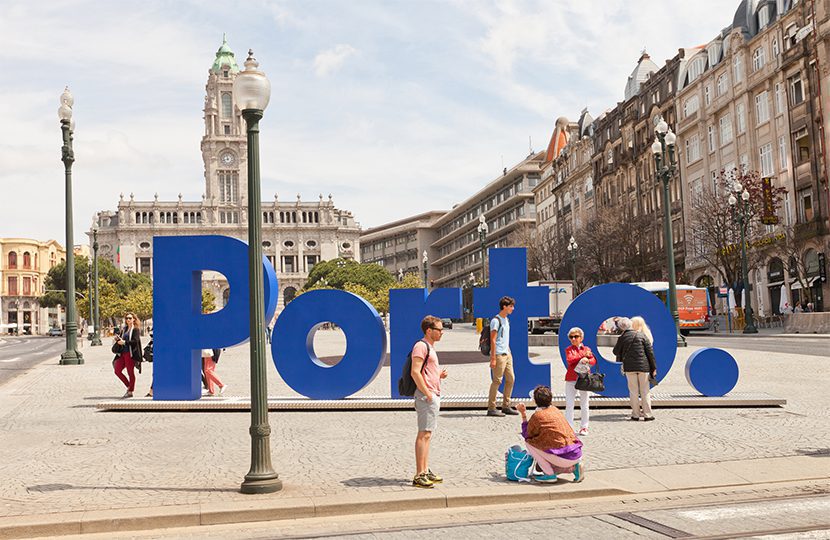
pixel 136 519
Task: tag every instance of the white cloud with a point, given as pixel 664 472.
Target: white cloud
pixel 327 62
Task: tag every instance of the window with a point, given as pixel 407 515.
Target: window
pixel 12 286
pixel 805 205
pixel 707 94
pixel 695 69
pixel 744 159
pixel 226 129
pixel 228 186
pixel 710 138
pixel 690 106
pixel 289 264
pixel 714 178
pixel 758 58
pixel 763 17
pixel 737 69
pixel 27 286
pixel 779 98
pixel 767 168
pixel 725 129
pixel 143 265
pixel 12 260
pixel 227 105
pixel 692 149
pixel 723 83
pixel 714 54
pixel 762 107
pixel 796 90
pixel 740 115
pixel 802 145
pixel 27 260
pixel 225 73
pixel 310 261
pixel 782 152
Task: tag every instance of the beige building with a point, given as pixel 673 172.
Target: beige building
pixel 746 101
pixel 24 264
pixel 399 246
pixel 296 234
pixel 507 205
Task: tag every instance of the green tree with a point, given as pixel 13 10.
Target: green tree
pixel 208 301
pixel 140 302
pixel 336 273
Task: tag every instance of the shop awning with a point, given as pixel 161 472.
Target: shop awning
pixel 795 285
pixel 775 283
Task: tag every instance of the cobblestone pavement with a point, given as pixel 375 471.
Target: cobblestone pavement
pixel 59 453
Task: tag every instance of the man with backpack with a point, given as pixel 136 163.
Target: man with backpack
pixel 501 361
pixel 427 375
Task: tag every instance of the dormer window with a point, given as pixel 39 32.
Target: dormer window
pixel 225 73
pixel 763 17
pixel 696 69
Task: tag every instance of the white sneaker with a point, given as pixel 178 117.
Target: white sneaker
pixel 222 390
pixel 583 431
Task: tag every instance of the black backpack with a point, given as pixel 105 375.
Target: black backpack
pixel 148 352
pixel 484 340
pixel 406 384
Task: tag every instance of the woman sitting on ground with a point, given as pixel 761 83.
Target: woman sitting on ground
pixel 550 439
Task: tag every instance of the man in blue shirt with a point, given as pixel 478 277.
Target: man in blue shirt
pixel 501 361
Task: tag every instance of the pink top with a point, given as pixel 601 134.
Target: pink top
pixel 432 371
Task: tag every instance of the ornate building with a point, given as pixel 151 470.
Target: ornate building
pixel 296 234
pixel 24 264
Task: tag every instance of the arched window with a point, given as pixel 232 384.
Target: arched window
pixel 226 294
pixel 288 295
pixel 12 260
pixel 227 105
pixel 27 259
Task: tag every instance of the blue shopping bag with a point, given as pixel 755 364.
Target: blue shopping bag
pixel 517 464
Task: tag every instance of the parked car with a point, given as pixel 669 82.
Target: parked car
pixel 54 332
pixel 447 323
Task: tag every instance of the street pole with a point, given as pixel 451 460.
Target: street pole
pixel 71 356
pixel 425 260
pixel 482 236
pixel 742 217
pixel 666 164
pixel 96 336
pixel 572 247
pixel 252 92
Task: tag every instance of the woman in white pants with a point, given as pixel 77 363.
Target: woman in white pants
pixel 579 359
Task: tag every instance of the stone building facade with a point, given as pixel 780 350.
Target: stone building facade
pixel 749 99
pixel 296 234
pixel 24 264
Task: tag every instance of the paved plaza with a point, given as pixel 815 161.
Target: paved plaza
pixel 60 454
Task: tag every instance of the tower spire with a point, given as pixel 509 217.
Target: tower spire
pixel 224 57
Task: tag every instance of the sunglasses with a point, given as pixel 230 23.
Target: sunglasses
pixel 439 329
pixel 574 336
pixel 129 318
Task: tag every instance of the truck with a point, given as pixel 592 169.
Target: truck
pixel 561 296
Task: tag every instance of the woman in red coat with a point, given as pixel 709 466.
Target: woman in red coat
pixel 579 359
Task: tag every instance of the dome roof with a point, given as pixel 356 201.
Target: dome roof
pixel 224 57
pixel 645 67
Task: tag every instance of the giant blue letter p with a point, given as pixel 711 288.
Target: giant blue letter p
pixel 180 329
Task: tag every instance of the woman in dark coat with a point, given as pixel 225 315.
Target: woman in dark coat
pixel 129 357
pixel 635 352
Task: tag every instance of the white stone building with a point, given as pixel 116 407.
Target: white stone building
pixel 296 234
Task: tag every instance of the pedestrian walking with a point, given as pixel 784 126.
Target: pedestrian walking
pixel 579 359
pixel 209 359
pixel 635 352
pixel 550 439
pixel 501 359
pixel 427 374
pixel 127 349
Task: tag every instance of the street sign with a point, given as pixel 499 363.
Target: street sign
pixel 723 292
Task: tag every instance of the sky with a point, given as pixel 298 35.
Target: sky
pixel 394 107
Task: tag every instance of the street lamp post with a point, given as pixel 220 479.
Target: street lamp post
pixel 96 319
pixel 252 91
pixel 740 213
pixel 425 260
pixel 572 247
pixel 663 150
pixel 482 236
pixel 71 356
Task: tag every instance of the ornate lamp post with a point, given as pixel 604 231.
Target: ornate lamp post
pixel 425 260
pixel 400 274
pixel 740 213
pixel 96 319
pixel 663 150
pixel 482 236
pixel 572 247
pixel 252 91
pixel 71 356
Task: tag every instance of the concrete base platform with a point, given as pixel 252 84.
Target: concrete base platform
pixel 469 402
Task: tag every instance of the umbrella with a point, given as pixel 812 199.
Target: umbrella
pixel 784 304
pixel 743 298
pixel 730 301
